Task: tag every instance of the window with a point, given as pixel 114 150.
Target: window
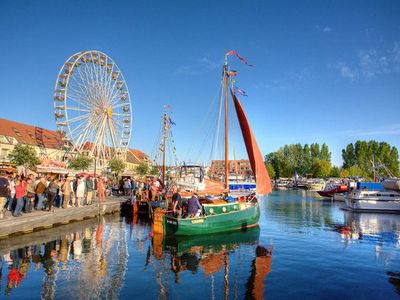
pixel 17 132
pixel 3 153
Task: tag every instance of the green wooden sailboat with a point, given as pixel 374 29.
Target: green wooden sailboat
pixel 243 212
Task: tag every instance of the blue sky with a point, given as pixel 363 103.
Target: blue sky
pixel 324 71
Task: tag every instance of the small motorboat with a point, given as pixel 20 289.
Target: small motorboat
pixel 333 189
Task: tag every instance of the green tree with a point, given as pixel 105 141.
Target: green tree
pixel 354 171
pixel 324 153
pixel 335 172
pixel 321 168
pixel 154 170
pixel 24 155
pixel 314 149
pixel 365 154
pixel 271 170
pixel 348 156
pixel 142 169
pixel 81 162
pixel 296 157
pixel 117 166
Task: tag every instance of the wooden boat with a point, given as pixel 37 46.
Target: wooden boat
pixel 243 210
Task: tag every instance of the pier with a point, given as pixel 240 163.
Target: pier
pixel 38 220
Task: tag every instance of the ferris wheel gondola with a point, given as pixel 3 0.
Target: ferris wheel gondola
pixel 92 106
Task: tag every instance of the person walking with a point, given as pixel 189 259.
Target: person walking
pixel 40 189
pixel 89 190
pixel 4 193
pixel 19 196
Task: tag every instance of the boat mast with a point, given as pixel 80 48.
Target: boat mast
pixel 164 145
pixel 226 122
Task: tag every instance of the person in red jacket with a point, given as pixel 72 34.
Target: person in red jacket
pixel 20 192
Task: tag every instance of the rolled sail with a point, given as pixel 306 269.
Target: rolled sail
pixel 263 182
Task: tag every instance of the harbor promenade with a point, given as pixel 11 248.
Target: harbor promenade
pixel 37 220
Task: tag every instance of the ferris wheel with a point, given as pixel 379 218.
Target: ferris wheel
pixel 92 106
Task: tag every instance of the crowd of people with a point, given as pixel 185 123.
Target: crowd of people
pixel 20 194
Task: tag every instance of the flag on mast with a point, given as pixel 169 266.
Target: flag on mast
pixel 233 52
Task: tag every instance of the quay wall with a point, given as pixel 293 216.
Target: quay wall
pixel 38 220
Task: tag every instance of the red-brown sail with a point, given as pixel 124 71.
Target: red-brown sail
pixel 263 182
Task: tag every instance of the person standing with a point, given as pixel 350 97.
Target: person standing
pixel 100 189
pixel 51 193
pixel 4 192
pixel 30 194
pixel 73 191
pixel 194 206
pixel 40 189
pixel 11 196
pixel 89 190
pixel 66 189
pixel 80 191
pixel 19 196
pixel 127 186
pixel 177 203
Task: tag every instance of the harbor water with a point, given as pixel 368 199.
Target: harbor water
pixel 304 247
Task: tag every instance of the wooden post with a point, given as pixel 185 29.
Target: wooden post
pixel 164 145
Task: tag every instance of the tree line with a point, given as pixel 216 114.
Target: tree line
pixel 363 159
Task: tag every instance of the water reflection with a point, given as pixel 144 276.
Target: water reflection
pixel 78 253
pixel 371 227
pixel 210 255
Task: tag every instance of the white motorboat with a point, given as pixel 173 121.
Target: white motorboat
pixel 366 200
pixel 315 184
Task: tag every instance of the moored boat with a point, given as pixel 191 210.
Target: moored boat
pixel 339 197
pixel 315 184
pixel 232 212
pixel 333 189
pixel 216 218
pixel 366 200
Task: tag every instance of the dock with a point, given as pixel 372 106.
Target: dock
pixel 38 220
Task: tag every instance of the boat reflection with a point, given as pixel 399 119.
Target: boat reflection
pixel 88 246
pixel 211 254
pixel 373 227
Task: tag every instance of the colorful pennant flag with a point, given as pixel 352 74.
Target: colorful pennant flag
pixel 233 52
pixel 239 91
pixel 232 73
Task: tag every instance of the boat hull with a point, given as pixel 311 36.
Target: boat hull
pixel 373 201
pixel 233 220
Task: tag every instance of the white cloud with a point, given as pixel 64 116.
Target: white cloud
pixel 371 64
pixel 198 66
pixel 347 72
pixel 393 129
pixel 323 29
pixel 327 29
pixel 209 64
